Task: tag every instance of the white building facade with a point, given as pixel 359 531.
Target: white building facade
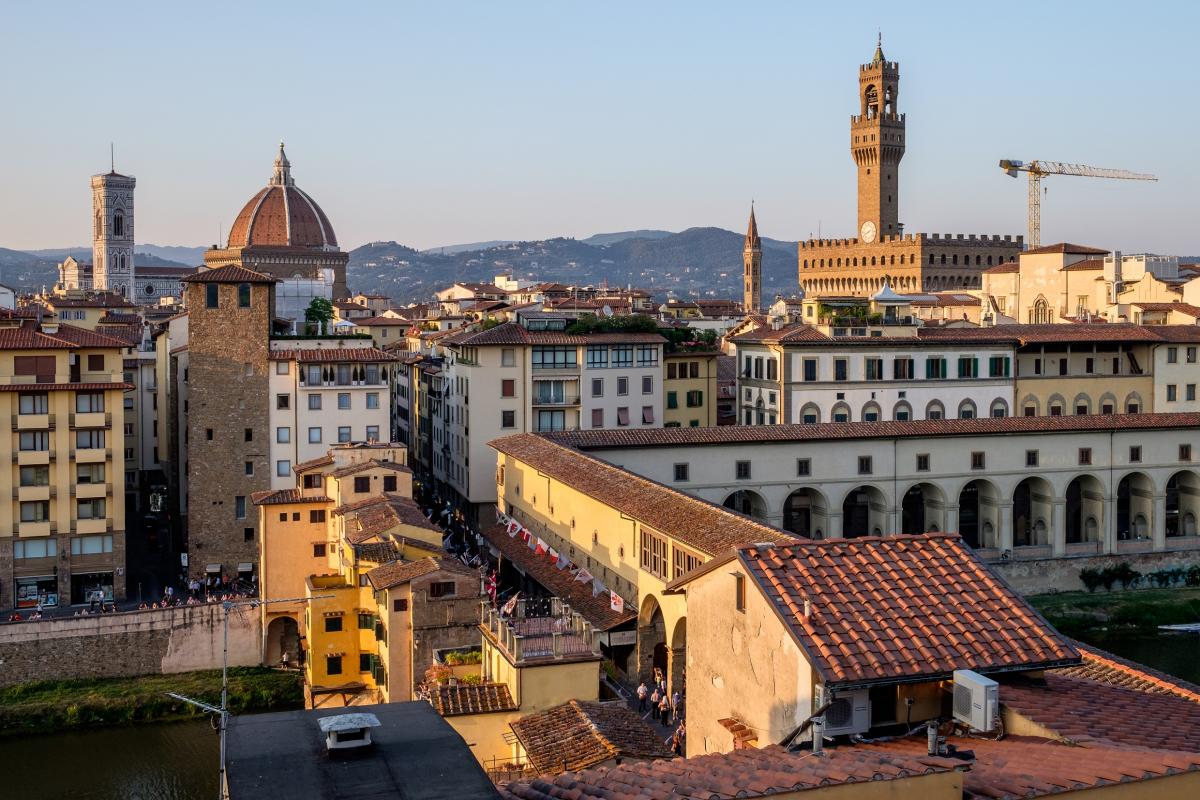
pixel 325 392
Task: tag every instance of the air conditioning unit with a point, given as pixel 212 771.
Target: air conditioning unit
pixel 976 700
pixel 848 712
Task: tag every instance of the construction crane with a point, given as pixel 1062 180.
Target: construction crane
pixel 1039 169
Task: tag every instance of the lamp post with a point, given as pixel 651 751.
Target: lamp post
pixel 223 710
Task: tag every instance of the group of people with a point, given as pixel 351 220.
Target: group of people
pixel 663 704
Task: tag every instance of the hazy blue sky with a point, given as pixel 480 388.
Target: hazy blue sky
pixel 436 122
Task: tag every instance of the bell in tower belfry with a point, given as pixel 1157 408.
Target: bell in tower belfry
pixel 877 145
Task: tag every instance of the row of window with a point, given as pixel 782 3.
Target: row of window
pixel 39 441
pixel 654 559
pixel 598 356
pixel 694 399
pixel 283 402
pixel 39 510
pixel 903 368
pixel 283 435
pixel 39 474
pixel 901 412
pixel 39 403
pixel 681 370
pixel 48 547
pixel 980 261
pixel 315 515
pixel 212 295
pixel 335 374
pixel 1189 392
pixel 555 391
pixel 978 460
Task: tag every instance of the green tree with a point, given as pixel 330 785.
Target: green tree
pixel 319 311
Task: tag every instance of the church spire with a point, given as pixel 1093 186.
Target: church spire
pixel 283 170
pixel 752 240
pixel 878 58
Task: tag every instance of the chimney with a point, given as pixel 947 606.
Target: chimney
pixel 818 736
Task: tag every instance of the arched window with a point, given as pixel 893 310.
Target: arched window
pixel 1083 405
pixel 902 412
pixel 989 261
pixel 1040 313
pixel 943 258
pixel 966 410
pixel 931 259
pixel 870 412
pixel 118 224
pixel 999 408
pixel 935 410
pixel 1133 403
pixel 810 414
pixel 841 413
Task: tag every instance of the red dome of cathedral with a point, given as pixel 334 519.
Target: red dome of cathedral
pixel 281 215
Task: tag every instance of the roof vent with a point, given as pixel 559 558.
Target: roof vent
pixel 347 731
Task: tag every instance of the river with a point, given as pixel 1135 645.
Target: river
pixel 163 761
pixel 1176 654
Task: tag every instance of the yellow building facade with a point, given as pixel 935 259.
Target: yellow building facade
pixel 690 389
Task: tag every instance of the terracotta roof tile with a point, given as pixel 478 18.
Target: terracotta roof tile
pixel 331 355
pixel 1082 710
pixel 472 699
pixel 930 592
pixel 1087 265
pixel 1024 767
pixel 72 387
pixel 284 496
pixel 561 583
pixel 747 773
pixel 795 332
pixel 1003 269
pixel 836 431
pixel 1182 308
pixel 579 734
pixel 271 219
pixel 102 300
pixel 380 515
pixel 319 461
pixel 230 273
pixel 515 333
pixel 363 466
pixel 1113 670
pixel 398 572
pixel 383 321
pixel 691 521
pixel 1066 248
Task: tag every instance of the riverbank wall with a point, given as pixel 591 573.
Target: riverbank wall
pixel 126 644
pixel 1045 575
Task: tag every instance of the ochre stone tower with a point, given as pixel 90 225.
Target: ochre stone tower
pixel 752 269
pixel 877 144
pixel 112 233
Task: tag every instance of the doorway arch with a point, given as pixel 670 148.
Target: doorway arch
pixel 805 513
pixel 1183 503
pixel 1032 502
pixel 1084 509
pixel 747 502
pixel 864 512
pixel 979 513
pixel 923 509
pixel 1135 507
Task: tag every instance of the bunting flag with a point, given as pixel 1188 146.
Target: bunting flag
pixel 598 587
pixel 617 603
pixel 540 547
pixel 492 584
pixel 552 554
pixel 511 605
pixel 583 576
pixel 501 516
pixel 512 527
pixel 562 562
pixel 532 542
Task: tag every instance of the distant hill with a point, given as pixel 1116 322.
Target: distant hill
pixel 612 238
pixel 452 249
pixel 698 262
pixel 31 270
pixel 170 255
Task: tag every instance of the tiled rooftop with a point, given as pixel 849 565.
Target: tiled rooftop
pixel 883 608
pixel 745 773
pixel 1113 670
pixel 578 734
pixel 515 333
pixel 1066 248
pixel 837 431
pixel 398 572
pixel 472 699
pixel 330 355
pixel 279 496
pixel 1087 711
pixel 693 522
pixel 561 583
pixel 230 273
pixel 363 466
pixel 379 515
pixel 1024 767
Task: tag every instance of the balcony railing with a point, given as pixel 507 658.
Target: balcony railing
pixel 560 634
pixel 564 400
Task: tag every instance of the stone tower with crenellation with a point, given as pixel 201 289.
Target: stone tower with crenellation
pixel 112 233
pixel 752 269
pixel 877 144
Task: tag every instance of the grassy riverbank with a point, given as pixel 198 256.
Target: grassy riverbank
pixel 49 706
pixel 1080 614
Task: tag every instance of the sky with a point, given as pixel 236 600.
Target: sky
pixel 438 123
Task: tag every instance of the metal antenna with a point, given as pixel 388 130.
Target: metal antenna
pixel 112 157
pixel 223 709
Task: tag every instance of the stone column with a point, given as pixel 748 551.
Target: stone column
pixel 1108 536
pixel 835 526
pixel 1058 527
pixel 677 663
pixel 1158 523
pixel 950 520
pixel 1004 536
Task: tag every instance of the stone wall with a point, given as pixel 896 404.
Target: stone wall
pixel 131 643
pixel 1062 574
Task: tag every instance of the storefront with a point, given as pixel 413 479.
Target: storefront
pixel 88 587
pixel 34 589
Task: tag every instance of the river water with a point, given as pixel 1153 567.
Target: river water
pixel 163 761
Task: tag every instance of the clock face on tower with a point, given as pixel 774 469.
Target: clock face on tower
pixel 867 233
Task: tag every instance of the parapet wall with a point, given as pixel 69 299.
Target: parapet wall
pixel 932 239
pixel 158 641
pixel 1062 574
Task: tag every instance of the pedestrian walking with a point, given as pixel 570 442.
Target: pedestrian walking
pixel 676 744
pixel 654 703
pixel 676 703
pixel 642 693
pixel 664 711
